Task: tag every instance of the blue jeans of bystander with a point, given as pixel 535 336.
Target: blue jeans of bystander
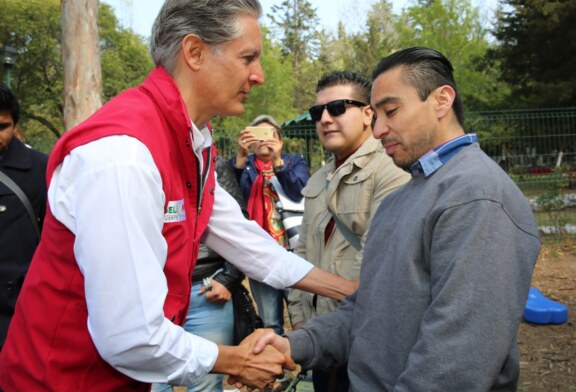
pixel 214 322
pixel 270 302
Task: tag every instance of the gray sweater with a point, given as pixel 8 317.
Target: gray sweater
pixel 446 271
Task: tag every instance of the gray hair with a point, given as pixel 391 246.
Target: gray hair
pixel 264 118
pixel 213 21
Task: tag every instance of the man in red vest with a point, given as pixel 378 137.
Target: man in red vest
pixel 131 193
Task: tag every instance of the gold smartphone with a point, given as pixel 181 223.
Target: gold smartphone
pixel 262 133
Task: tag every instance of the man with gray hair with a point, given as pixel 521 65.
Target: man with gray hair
pixel 131 192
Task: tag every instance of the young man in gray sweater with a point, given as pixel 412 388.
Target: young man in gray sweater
pixel 448 259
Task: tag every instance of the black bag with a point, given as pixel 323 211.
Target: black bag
pixel 246 320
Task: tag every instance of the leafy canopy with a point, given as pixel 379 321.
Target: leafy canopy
pixel 34 27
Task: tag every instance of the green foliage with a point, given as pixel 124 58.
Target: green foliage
pixel 124 55
pixel 34 27
pixel 455 28
pixel 336 52
pixel 378 40
pixel 294 23
pixel 538 52
pixel 360 51
pixel 535 55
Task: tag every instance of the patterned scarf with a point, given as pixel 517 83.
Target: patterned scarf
pixel 262 201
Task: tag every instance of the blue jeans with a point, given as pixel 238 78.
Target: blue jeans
pixel 270 302
pixel 214 322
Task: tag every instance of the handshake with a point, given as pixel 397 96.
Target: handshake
pixel 257 361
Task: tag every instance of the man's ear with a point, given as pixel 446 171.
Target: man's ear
pixel 367 116
pixel 193 51
pixel 444 99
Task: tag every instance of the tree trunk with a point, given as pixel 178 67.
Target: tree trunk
pixel 81 59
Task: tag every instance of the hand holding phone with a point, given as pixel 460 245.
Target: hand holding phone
pixel 262 133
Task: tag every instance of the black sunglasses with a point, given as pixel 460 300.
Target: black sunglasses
pixel 335 108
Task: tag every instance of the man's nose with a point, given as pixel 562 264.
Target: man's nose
pixel 379 128
pixel 257 74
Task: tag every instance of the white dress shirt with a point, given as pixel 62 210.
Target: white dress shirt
pixel 109 194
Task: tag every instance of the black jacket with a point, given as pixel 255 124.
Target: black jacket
pixel 209 261
pixel 18 240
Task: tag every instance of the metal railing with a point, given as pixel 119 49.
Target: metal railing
pixel 528 143
pixel 522 142
pixel 536 147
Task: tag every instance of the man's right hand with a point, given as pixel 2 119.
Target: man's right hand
pixel 264 342
pixel 248 366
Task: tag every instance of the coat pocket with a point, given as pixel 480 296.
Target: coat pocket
pixel 355 192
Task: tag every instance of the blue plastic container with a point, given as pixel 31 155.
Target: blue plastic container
pixel 542 310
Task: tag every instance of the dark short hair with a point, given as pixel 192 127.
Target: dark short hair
pixel 9 103
pixel 425 69
pixel 360 83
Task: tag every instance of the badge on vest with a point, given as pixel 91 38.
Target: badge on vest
pixel 175 211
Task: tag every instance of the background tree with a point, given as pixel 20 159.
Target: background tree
pixel 124 55
pixel 455 28
pixel 336 51
pixel 378 40
pixel 34 28
pixel 537 50
pixel 81 58
pixel 294 23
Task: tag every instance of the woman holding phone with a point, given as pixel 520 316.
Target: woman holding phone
pixel 254 172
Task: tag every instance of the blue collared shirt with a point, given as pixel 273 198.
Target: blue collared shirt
pixel 435 158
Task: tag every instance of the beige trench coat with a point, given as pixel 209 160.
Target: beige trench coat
pixel 353 192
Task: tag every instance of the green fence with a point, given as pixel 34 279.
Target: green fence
pixel 536 147
pixel 301 141
pixel 528 144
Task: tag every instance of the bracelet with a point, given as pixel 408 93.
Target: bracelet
pixel 280 166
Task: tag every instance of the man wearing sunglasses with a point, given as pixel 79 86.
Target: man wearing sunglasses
pixel 449 258
pixel 341 197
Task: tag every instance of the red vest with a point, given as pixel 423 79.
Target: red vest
pixel 48 346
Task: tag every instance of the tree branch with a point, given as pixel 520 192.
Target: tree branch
pixel 46 123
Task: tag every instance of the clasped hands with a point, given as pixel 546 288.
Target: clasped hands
pixel 267 355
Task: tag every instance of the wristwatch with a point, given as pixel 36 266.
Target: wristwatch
pixel 280 165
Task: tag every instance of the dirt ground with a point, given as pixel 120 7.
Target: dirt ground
pixel 548 352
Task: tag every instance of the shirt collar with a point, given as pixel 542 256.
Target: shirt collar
pixel 437 157
pixel 201 138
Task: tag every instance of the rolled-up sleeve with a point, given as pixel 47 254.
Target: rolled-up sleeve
pixel 251 249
